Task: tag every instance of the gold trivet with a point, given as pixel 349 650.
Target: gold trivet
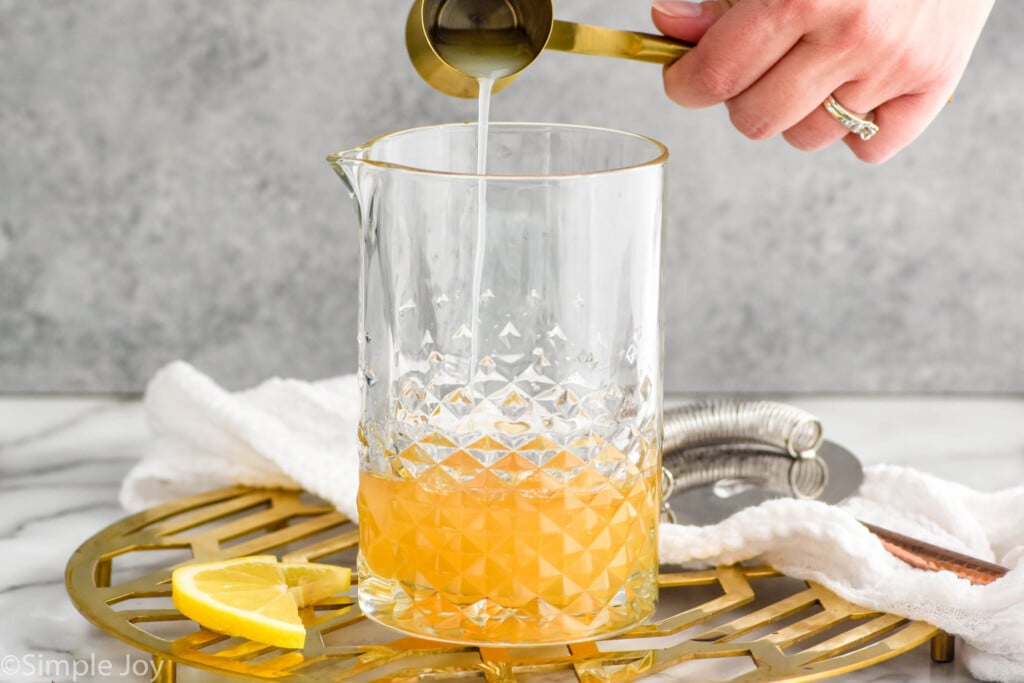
pixel 765 626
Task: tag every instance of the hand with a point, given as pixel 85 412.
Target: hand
pixel 773 63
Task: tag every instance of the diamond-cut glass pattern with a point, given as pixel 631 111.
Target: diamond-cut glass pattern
pixel 515 503
pixel 511 538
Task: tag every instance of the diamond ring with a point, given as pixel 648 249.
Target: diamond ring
pixel 855 123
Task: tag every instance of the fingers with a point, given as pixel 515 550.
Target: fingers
pixel 781 98
pixel 685 20
pixel 736 50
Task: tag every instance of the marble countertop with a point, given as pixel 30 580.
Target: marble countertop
pixel 62 460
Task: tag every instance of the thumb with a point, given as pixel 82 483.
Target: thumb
pixel 686 19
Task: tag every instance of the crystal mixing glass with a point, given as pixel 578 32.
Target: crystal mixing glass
pixel 510 366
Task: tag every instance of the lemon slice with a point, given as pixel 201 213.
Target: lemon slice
pixel 255 597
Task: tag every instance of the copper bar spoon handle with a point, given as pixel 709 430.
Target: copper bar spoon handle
pixel 923 555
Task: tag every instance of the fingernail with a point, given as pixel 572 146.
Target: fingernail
pixel 678 8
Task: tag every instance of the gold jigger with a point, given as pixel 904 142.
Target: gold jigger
pixel 452 43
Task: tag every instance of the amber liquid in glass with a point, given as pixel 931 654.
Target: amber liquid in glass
pixel 539 546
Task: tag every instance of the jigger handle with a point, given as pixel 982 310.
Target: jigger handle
pixel 599 41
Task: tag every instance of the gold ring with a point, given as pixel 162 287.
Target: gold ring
pixel 855 123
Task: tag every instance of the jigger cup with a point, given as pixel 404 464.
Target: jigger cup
pixel 534 19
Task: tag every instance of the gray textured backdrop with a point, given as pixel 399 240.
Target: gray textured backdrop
pixel 163 195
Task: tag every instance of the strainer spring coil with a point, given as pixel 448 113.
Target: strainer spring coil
pixel 712 422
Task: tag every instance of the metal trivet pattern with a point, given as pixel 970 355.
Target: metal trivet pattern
pixel 768 627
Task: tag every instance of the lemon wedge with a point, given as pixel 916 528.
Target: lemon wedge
pixel 255 597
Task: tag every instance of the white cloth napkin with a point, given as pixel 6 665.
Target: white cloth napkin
pixel 288 433
pixel 282 434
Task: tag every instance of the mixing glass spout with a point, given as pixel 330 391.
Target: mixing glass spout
pixel 350 166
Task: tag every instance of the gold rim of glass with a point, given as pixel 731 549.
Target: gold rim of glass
pixel 353 154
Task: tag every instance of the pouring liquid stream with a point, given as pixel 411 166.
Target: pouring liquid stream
pixel 486 55
pixel 486 84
